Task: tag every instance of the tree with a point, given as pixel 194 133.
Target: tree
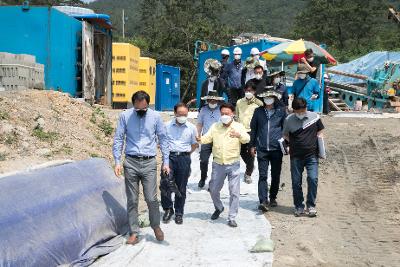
pixel 171 28
pixel 349 28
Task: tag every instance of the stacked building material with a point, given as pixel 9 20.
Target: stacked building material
pixel 18 72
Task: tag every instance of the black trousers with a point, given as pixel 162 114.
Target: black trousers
pixel 180 170
pixel 247 158
pixel 265 158
pixel 205 153
pixel 235 94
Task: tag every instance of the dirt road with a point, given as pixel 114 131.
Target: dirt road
pixel 358 201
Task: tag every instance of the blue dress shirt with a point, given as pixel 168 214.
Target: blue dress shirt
pixel 140 135
pixel 181 137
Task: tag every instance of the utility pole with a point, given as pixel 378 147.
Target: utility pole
pixel 123 24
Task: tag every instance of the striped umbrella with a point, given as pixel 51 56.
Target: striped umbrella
pixel 293 51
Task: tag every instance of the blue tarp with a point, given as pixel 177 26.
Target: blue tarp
pixel 365 65
pixel 68 214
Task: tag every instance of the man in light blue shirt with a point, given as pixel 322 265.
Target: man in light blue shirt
pixel 182 142
pixel 138 128
pixel 208 115
pixel 306 87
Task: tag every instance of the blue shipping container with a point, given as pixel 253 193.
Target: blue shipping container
pixel 49 35
pixel 167 87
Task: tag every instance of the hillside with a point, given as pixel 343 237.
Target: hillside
pixel 274 17
pixel 40 126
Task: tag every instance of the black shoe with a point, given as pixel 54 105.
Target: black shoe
pixel 168 215
pixel 216 214
pixel 178 219
pixel 263 207
pixel 273 203
pixel 202 183
pixel 232 223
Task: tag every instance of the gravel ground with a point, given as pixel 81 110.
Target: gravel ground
pixel 358 201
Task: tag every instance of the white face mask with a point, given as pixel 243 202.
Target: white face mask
pixel 248 95
pixel 277 80
pixel 181 119
pixel 311 59
pixel 302 76
pixel 258 76
pixel 226 119
pixel 269 100
pixel 213 78
pixel 212 106
pixel 256 56
pixel 300 116
pixel 237 57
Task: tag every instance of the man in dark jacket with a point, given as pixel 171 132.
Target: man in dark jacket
pixel 266 129
pixel 260 79
pixel 275 79
pixel 213 83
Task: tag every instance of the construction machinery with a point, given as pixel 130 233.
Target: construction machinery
pixel 380 91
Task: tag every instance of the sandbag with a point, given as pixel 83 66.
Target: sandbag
pixel 263 245
pixel 68 214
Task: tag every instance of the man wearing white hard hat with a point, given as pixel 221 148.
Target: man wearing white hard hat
pixel 234 73
pixel 255 53
pixel 224 61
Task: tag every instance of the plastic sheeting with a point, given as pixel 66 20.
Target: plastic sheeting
pixel 68 214
pixel 200 241
pixel 365 65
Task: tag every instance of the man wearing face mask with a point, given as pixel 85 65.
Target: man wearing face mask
pixel 255 53
pixel 224 61
pixel 302 129
pixel 227 136
pixel 310 62
pixel 260 79
pixel 248 70
pixel 140 128
pixel 266 129
pixel 208 115
pixel 244 112
pixel 234 72
pixel 276 80
pixel 305 87
pixel 213 82
pixel 182 142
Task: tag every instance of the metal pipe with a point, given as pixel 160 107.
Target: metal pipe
pixel 350 87
pixel 352 75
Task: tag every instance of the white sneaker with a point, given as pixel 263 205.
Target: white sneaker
pixel 247 179
pixel 298 212
pixel 312 212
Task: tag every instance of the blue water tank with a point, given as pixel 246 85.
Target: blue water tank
pixel 168 86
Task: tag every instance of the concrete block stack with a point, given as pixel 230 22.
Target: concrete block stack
pixel 19 72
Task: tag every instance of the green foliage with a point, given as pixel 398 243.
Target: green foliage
pixel 106 127
pixel 94 155
pixel 4 115
pixel 349 28
pixel 45 136
pixel 3 156
pixel 167 29
pixel 11 139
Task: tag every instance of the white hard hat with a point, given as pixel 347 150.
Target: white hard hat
pixel 237 51
pixel 225 52
pixel 254 51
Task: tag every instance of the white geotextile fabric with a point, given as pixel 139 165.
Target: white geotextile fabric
pixel 199 241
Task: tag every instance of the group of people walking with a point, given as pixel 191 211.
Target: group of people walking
pixel 259 120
